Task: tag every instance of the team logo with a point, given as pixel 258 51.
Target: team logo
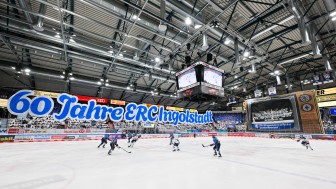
pixel 305 98
pixel 326 76
pixel 316 78
pixel 307 107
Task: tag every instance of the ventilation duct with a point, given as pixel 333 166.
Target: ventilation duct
pixel 236 51
pixel 289 86
pixel 315 47
pixel 253 68
pixel 162 26
pixel 136 56
pixel 24 5
pixel 205 45
pixel 327 63
pixel 39 24
pixel 295 10
pixel 278 80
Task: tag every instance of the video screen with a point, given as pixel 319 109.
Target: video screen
pixel 187 78
pixel 273 114
pixel 213 77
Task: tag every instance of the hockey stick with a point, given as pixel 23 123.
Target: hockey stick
pixel 205 146
pixel 124 150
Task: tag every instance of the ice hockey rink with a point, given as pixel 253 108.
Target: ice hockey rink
pixel 246 163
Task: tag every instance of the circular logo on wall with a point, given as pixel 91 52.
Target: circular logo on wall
pixel 307 107
pixel 305 98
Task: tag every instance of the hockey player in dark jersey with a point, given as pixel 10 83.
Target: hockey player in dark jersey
pixel 304 142
pixel 129 136
pixel 103 142
pixel 216 144
pixel 171 136
pixel 113 144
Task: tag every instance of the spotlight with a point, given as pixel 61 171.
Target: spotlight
pixel 135 17
pixel 157 59
pixel 188 21
pixel 27 70
pixel 128 88
pixel 13 67
pixel 99 83
pixel 188 46
pixel 333 14
pixel 246 54
pixel 276 72
pixel 227 41
pixel 197 26
pixel 72 78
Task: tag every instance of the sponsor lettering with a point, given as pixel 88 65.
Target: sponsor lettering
pixel 7 138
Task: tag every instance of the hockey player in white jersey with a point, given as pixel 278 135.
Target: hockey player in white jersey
pixel 176 144
pixel 134 139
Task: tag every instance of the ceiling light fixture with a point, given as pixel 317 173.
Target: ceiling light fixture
pixel 72 78
pixel 157 59
pixel 197 26
pixel 332 14
pixel 188 21
pixel 246 54
pixel 27 70
pixel 227 41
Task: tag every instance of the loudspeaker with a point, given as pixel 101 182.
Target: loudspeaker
pixel 188 60
pixel 209 57
pixel 188 46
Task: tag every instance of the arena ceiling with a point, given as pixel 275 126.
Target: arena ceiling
pixel 104 47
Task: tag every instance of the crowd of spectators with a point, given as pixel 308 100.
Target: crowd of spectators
pixel 223 122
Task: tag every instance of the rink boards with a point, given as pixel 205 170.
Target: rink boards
pixel 97 136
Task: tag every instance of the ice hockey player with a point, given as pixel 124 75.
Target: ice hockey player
pixel 304 142
pixel 176 144
pixel 113 144
pixel 216 147
pixel 129 136
pixel 103 142
pixel 171 136
pixel 133 140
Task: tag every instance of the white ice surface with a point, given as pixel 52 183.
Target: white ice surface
pixel 246 163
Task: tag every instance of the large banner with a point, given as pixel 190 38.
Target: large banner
pixel 23 102
pixel 273 113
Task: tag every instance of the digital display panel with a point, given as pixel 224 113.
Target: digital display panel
pixel 187 78
pixel 213 77
pixel 273 114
